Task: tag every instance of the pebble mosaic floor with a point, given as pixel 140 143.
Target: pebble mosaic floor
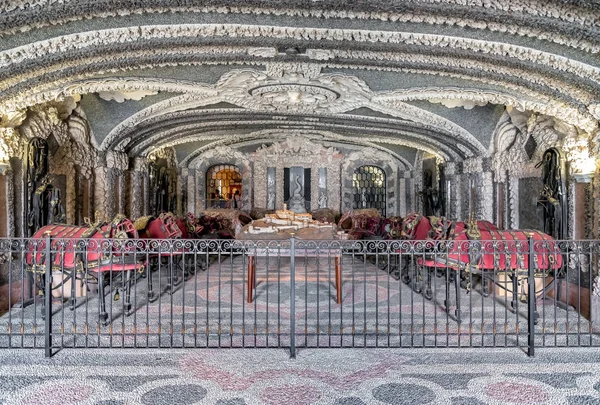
pixel 337 376
pixel 316 376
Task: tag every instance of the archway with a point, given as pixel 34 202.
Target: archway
pixel 368 186
pixel 223 181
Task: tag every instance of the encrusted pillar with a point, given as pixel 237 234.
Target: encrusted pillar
pixel 411 192
pixel 572 211
pixel 403 177
pixel 138 196
pixel 512 209
pixel 486 200
pixel 182 190
pixel 454 173
pixel 7 177
pixel 101 188
pixel 191 191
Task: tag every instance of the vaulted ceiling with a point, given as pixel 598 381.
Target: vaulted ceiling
pixel 399 76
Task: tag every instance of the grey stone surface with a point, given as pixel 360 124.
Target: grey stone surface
pixel 233 401
pixel 566 380
pixel 349 401
pixel 466 401
pixel 529 190
pixel 174 394
pixel 458 380
pixel 128 383
pixel 403 394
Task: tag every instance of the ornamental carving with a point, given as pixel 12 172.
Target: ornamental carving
pixel 564 13
pixel 293 146
pixel 167 154
pixel 222 153
pixel 287 87
pixel 511 137
pixel 297 150
pixel 11 143
pixel 546 61
pixel 117 160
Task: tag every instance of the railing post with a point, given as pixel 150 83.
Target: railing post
pixel 531 313
pixel 48 296
pixel 292 297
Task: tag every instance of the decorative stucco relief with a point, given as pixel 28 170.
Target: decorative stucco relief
pixel 509 145
pixel 546 61
pixel 11 143
pixel 121 96
pixel 293 91
pixel 394 107
pixel 297 150
pixel 118 161
pixel 531 11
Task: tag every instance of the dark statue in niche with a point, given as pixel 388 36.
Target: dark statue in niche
pixel 433 201
pixel 159 188
pixel 42 200
pixel 551 204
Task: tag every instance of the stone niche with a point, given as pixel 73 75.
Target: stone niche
pixel 271 161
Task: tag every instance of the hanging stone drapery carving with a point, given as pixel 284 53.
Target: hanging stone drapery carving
pixel 302 151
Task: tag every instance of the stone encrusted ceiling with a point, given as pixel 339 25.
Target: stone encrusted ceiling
pixel 395 55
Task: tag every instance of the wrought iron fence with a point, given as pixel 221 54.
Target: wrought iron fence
pixel 69 293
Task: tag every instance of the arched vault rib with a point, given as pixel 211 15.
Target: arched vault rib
pixel 394 137
pixel 325 136
pixel 122 37
pixel 569 24
pixel 175 126
pixel 267 136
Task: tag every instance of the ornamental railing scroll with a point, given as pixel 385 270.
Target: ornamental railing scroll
pixel 295 293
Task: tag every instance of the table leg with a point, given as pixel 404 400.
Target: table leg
pixel 338 279
pixel 251 269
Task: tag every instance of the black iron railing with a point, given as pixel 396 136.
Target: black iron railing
pixel 68 293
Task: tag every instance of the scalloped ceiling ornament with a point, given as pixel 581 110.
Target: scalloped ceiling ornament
pixel 296 146
pixel 121 96
pixel 454 103
pixel 293 87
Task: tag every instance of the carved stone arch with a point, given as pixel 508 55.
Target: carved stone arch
pixel 371 157
pixel 221 155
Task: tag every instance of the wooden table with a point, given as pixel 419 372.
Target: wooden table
pixel 301 234
pixel 298 253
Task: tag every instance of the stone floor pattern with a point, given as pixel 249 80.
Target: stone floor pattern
pixel 316 376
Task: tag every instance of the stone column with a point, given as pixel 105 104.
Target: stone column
pixel 512 209
pixel 402 200
pixel 7 177
pixel 454 190
pixel 486 209
pixel 182 191
pixel 191 191
pixel 138 196
pixel 101 189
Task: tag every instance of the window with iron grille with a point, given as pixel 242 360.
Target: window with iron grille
pixel 222 181
pixel 368 184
